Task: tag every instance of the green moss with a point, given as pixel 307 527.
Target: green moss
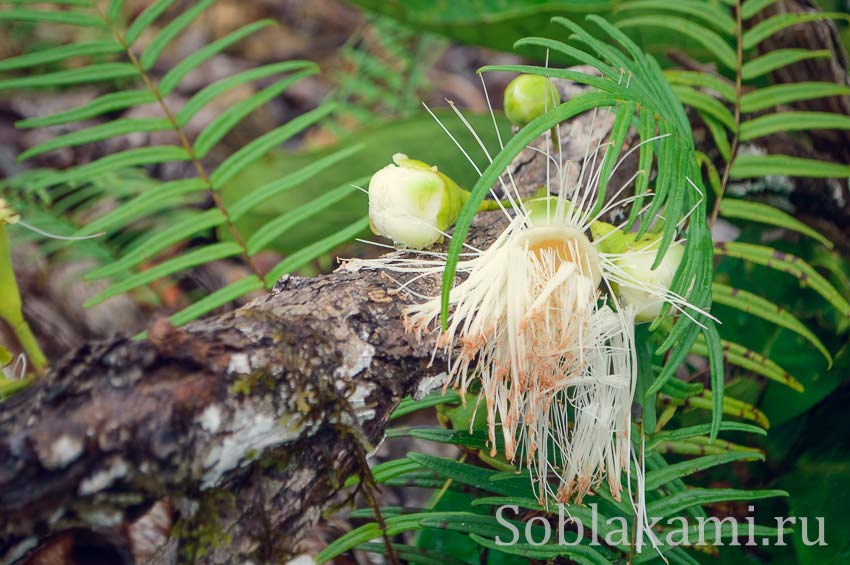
pixel 248 384
pixel 201 533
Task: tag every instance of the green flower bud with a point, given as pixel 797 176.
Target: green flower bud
pixel 412 202
pixel 636 257
pixel 528 97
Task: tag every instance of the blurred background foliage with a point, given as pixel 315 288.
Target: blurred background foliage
pixel 378 61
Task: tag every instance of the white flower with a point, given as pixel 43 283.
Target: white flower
pixel 413 203
pixel 537 322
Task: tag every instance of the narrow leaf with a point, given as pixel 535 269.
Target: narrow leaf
pixel 200 256
pixel 212 91
pixel 173 234
pixel 792 121
pixel 786 263
pixel 324 245
pixel 767 214
pixel 101 105
pixel 769 62
pixel 170 31
pixel 660 477
pixel 146 203
pixel 292 180
pixel 709 39
pixel 61 53
pixel 758 166
pixel 778 94
pixel 145 19
pixel 108 130
pixel 266 142
pixel 218 298
pixel 173 77
pixel 89 74
pixel 764 29
pixel 670 505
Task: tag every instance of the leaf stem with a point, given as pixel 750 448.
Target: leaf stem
pixel 739 30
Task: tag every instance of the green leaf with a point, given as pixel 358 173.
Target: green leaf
pixel 786 263
pixel 173 77
pixel 145 204
pixel 55 54
pixel 200 256
pixel 169 32
pixel 227 120
pixel 277 227
pixel 718 84
pixel 69 17
pixel 108 130
pixel 101 105
pixel 757 166
pixel 778 94
pixel 145 19
pixel 415 555
pixel 673 504
pixel 718 375
pixel 263 144
pixel 122 160
pixel 90 74
pixel 707 38
pixel 752 7
pixel 173 234
pixel 767 214
pixel 714 16
pixel 292 180
pixel 581 554
pixel 307 254
pixel 212 91
pixel 747 359
pixel 705 104
pixel 764 29
pixel 792 121
pixel 767 310
pixel 114 10
pixel 218 298
pixel 660 477
pixel 702 430
pixel 721 141
pixel 769 62
pixel 409 405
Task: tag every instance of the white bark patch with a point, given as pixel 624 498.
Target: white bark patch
pixel 63 451
pixel 239 364
pixel 353 362
pixel 250 432
pixel 115 469
pixel 301 560
pixel 210 418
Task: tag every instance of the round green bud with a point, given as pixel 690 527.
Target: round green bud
pixel 528 97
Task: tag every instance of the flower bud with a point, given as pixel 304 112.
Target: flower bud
pixel 528 97
pixel 644 287
pixel 7 214
pixel 412 202
pixel 638 264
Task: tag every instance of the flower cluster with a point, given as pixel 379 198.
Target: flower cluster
pixel 544 319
